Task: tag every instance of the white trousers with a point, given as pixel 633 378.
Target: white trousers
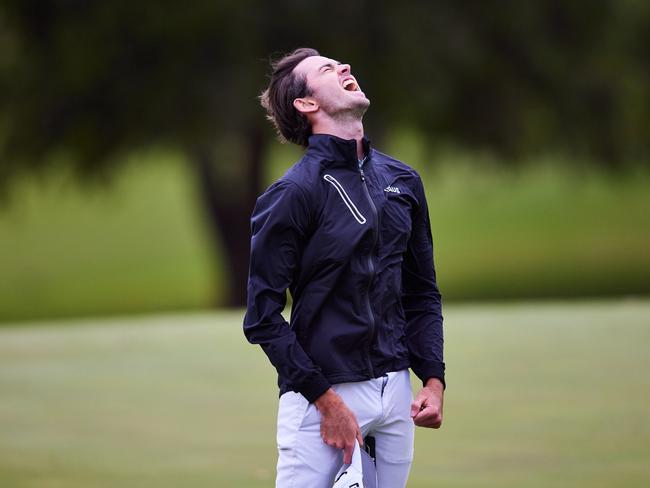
pixel 382 407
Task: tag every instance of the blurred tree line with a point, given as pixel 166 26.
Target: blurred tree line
pixel 87 82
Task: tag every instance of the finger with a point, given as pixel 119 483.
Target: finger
pixel 347 454
pixel 429 423
pixel 416 406
pixel 359 438
pixel 428 417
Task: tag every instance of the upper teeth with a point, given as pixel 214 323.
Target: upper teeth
pixel 348 82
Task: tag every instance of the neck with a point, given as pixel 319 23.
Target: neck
pixel 345 129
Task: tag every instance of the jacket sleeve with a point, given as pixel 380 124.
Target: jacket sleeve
pixel 421 298
pixel 279 228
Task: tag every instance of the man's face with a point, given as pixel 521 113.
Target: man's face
pixel 333 87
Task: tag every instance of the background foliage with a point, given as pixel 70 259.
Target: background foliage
pixel 530 121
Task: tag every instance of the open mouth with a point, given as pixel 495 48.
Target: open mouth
pixel 350 85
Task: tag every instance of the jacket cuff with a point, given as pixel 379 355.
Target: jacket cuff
pixel 315 388
pixel 434 370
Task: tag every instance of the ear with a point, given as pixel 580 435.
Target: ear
pixel 305 105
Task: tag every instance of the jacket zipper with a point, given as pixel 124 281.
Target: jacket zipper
pixel 371 269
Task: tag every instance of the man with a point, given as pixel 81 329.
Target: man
pixel 347 231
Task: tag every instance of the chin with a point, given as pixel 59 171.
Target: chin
pixel 362 102
pixel 361 96
pixel 360 108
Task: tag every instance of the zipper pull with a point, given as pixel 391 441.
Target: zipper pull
pixel 363 177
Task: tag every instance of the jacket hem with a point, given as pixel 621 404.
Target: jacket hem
pixel 323 383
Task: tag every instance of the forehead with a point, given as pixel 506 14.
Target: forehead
pixel 312 64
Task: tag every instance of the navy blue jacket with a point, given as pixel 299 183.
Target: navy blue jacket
pixel 353 246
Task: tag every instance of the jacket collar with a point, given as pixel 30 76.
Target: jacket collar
pixel 337 150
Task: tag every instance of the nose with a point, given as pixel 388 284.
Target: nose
pixel 344 69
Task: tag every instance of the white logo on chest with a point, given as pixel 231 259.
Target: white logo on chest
pixel 392 189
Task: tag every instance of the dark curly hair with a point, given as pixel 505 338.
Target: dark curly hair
pixel 285 86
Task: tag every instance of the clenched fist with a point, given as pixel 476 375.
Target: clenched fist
pixel 426 409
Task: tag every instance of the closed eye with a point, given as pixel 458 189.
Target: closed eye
pixel 327 67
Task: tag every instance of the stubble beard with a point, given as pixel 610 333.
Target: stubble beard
pixel 352 112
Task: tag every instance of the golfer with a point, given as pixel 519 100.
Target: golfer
pixel 346 230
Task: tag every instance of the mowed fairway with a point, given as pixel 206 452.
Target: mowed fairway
pixel 539 395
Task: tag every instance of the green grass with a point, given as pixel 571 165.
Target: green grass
pixel 539 395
